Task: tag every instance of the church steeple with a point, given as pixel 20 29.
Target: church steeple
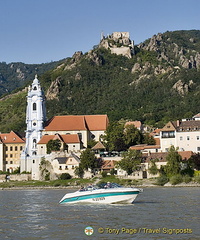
pixel 35 119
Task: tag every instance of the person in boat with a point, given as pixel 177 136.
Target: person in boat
pixel 108 185
pixel 82 189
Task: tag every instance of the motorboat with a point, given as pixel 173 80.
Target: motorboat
pixel 112 193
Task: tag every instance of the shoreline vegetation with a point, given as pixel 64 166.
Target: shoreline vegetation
pixel 78 182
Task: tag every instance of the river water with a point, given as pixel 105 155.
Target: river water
pixel 157 213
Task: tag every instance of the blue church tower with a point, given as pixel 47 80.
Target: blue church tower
pixel 35 120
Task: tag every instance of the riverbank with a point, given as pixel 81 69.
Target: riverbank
pixel 76 183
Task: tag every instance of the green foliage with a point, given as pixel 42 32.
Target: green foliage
pixel 176 179
pixel 114 137
pixel 104 174
pixel 130 161
pixel 79 171
pixel 162 180
pixel 132 135
pixel 173 162
pixel 88 159
pixel 194 161
pixel 153 167
pixel 197 179
pixel 53 145
pixel 186 178
pixel 65 176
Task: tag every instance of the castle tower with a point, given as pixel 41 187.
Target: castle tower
pixel 35 119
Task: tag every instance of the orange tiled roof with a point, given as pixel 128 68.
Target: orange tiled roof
pixel 97 122
pixel 162 156
pixel 77 122
pixel 137 124
pixel 66 123
pixel 68 138
pixel 108 164
pixel 11 137
pixel 144 146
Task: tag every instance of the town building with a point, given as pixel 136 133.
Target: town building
pixel 184 135
pixel 11 145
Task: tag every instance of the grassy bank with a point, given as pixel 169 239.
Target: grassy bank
pixel 76 182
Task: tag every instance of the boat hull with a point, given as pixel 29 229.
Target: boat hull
pixel 109 196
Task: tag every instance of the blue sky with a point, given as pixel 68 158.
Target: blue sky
pixel 40 31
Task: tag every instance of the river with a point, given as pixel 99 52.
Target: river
pixel 157 213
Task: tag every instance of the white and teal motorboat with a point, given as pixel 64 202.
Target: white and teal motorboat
pixel 113 193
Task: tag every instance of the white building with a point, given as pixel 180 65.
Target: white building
pixel 183 134
pixel 35 120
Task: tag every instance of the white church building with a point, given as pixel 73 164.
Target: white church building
pixel 35 120
pixel 73 131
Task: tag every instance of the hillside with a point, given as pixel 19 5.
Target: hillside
pixel 16 75
pixel 159 80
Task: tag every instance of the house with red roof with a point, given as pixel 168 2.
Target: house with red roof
pixel 69 143
pixel 87 127
pixel 11 145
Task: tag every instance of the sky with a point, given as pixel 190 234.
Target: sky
pixel 41 31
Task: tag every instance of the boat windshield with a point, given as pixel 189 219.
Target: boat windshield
pixel 89 188
pixel 109 185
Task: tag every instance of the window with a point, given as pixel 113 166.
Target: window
pixel 11 162
pixel 188 137
pixel 11 155
pixel 21 148
pixel 11 148
pixel 33 161
pixel 197 137
pixel 6 148
pixel 34 143
pixel 66 167
pixel 170 134
pixel 35 88
pixel 34 106
pixel 198 149
pixel 60 167
pixel 181 138
pixel 15 148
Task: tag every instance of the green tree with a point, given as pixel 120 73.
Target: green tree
pixel 79 171
pixel 53 145
pixel 132 135
pixel 194 161
pixel 153 167
pixel 173 162
pixel 148 139
pixel 131 161
pixel 114 137
pixel 88 159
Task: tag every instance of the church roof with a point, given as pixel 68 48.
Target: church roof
pixel 68 138
pixel 97 122
pixel 11 137
pixel 77 122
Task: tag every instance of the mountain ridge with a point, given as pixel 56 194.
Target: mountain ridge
pixel 159 82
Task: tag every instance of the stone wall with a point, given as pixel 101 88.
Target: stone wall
pixel 16 177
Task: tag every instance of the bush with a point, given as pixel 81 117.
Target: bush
pixel 104 174
pixel 186 179
pixel 197 178
pixel 176 179
pixel 65 176
pixel 162 180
